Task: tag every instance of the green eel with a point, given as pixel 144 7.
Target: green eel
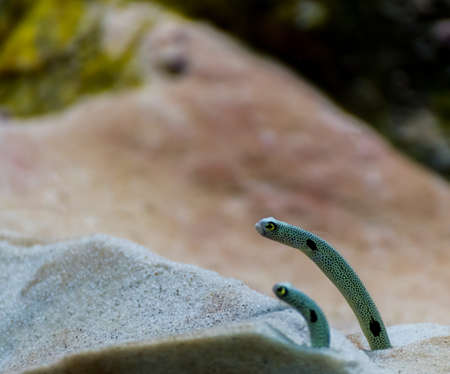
pixel 337 270
pixel 319 331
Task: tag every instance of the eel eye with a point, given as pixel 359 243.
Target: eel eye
pixel 270 226
pixel 281 291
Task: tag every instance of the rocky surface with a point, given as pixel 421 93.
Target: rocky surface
pixel 100 303
pixel 386 61
pixel 214 139
pixel 156 166
pixel 105 305
pixel 419 348
pixel 188 163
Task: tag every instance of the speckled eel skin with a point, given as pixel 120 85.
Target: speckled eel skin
pixel 337 270
pixel 319 331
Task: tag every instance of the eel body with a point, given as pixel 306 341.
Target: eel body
pixel 334 266
pixel 319 331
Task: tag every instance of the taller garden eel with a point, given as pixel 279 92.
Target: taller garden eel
pixel 337 270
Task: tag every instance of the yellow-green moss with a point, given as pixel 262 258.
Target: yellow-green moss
pixel 54 55
pixel 46 30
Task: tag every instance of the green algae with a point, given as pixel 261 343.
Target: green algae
pixel 46 30
pixel 54 56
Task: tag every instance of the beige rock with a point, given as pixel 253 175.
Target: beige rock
pixel 105 305
pixel 251 348
pixel 418 348
pixel 218 139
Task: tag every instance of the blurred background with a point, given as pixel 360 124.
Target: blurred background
pixel 179 124
pixel 386 61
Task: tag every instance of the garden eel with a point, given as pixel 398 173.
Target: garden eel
pixel 319 331
pixel 337 270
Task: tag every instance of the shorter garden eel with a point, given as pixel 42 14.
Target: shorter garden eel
pixel 319 331
pixel 337 270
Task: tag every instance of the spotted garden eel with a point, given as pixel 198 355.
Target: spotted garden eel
pixel 319 331
pixel 337 270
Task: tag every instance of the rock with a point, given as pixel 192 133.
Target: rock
pixel 418 348
pixel 190 161
pixel 100 304
pixel 386 62
pixel 53 53
pixel 104 305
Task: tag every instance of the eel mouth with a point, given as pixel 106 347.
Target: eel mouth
pixel 259 228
